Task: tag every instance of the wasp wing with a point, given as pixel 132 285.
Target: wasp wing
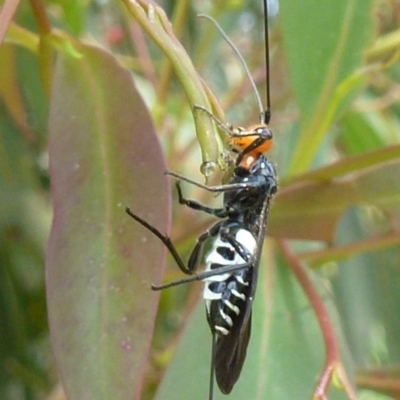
pixel 230 354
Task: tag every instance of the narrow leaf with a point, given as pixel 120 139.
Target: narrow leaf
pixel 6 15
pixel 324 41
pixel 312 210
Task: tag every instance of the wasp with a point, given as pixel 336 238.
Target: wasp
pixel 231 266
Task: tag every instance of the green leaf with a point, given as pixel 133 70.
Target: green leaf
pixel 324 42
pixel 104 156
pixel 360 133
pixel 155 23
pixel 369 308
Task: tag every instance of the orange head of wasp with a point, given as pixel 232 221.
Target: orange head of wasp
pixel 250 143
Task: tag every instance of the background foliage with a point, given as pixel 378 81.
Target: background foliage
pixel 67 95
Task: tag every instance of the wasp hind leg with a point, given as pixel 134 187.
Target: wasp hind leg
pixel 165 239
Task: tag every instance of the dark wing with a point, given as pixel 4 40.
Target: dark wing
pixel 231 349
pixel 230 354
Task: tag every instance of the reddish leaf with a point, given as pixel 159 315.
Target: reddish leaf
pixel 104 155
pixel 311 210
pixel 6 15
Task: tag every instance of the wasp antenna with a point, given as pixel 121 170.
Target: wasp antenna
pixel 265 115
pixel 237 52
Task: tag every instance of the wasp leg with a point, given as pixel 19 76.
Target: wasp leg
pixel 194 256
pixel 227 269
pixel 239 248
pixel 165 239
pixel 218 188
pixel 218 212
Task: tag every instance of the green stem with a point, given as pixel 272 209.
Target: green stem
pixel 155 23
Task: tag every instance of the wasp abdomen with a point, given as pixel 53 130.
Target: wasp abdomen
pixel 225 294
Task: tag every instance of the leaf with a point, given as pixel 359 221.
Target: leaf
pixel 366 289
pixel 6 14
pixel 285 354
pixel 104 155
pixel 361 132
pixel 155 23
pixel 311 210
pixel 324 41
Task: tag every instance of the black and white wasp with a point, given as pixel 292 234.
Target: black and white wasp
pixel 231 266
